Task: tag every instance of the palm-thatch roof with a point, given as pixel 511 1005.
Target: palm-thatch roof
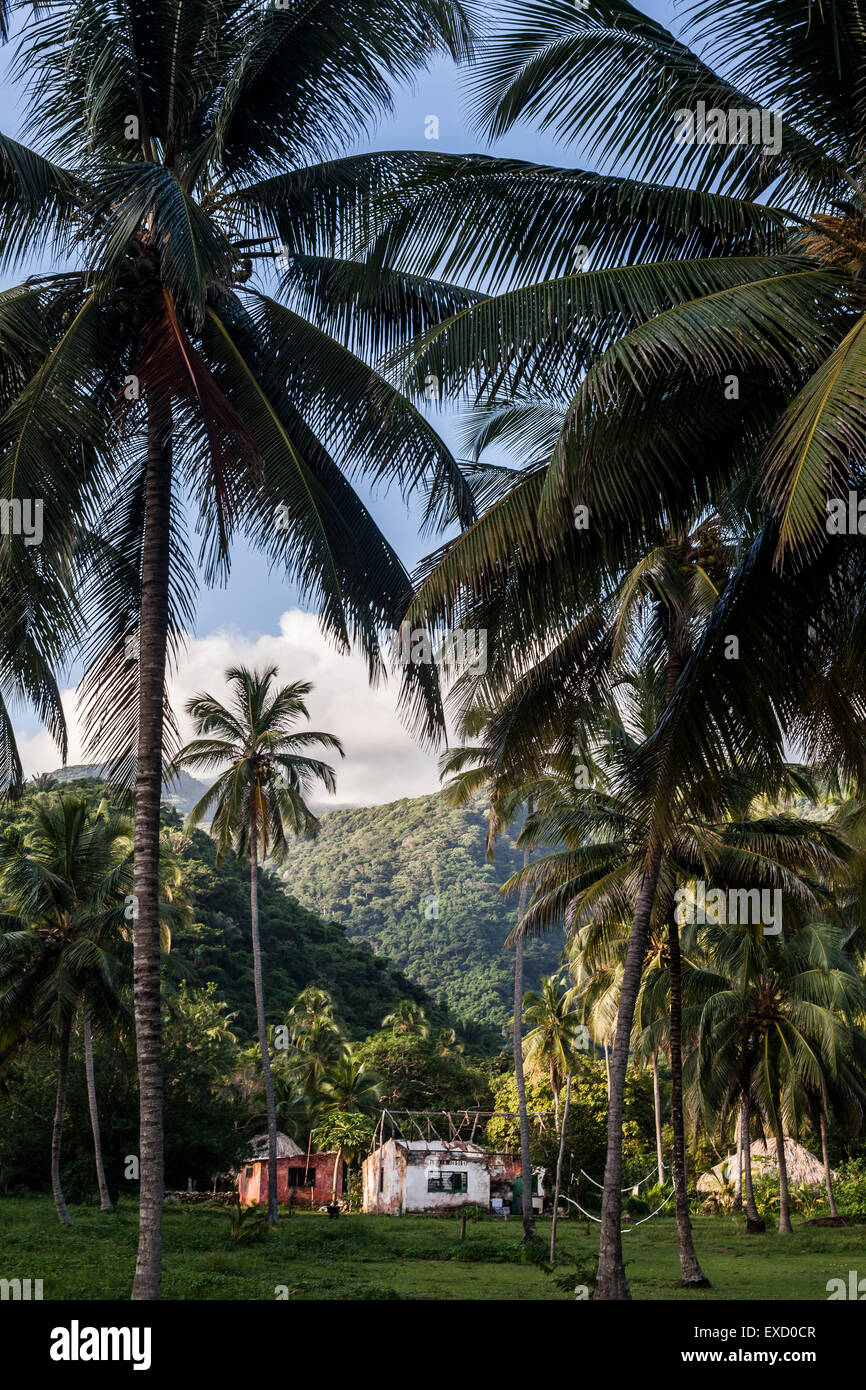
pixel 803 1167
pixel 286 1148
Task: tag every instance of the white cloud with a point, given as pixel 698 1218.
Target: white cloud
pixel 382 763
pixel 39 752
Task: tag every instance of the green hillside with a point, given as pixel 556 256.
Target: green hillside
pixel 298 949
pixel 411 879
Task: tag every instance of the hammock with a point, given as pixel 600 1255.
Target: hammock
pixel 634 1224
pixel 631 1186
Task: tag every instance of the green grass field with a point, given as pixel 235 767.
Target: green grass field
pixel 373 1257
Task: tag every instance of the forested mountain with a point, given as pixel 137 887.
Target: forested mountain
pixel 408 881
pixel 298 948
pixel 213 1098
pixel 411 878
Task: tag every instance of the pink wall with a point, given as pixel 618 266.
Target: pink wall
pixel 321 1167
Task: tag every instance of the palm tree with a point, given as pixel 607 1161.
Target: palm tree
pixel 408 1018
pixel 594 856
pixel 711 257
pixel 349 1086
pixel 597 987
pixel 344 1132
pixel 318 1048
pixel 312 1005
pixel 666 592
pixel 317 1041
pixel 180 147
pixel 840 1092
pixel 471 770
pixel 43 782
pixel 318 1054
pixel 557 1186
pixel 39 621
pixel 257 802
pixel 778 1024
pixel 552 1043
pixel 317 1074
pixel 449 1042
pixel 652 616
pixel 62 945
pixel 588 883
pixel 691 299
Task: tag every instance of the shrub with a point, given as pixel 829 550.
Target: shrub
pixel 850 1187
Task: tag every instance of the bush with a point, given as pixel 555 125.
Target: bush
pixel 574 1274
pixel 850 1187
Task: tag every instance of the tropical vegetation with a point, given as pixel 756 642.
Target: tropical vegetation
pixel 654 520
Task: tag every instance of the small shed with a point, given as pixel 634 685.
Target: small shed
pixel 310 1177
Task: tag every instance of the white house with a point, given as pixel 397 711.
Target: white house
pixel 416 1175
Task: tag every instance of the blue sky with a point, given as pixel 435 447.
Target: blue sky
pixel 246 616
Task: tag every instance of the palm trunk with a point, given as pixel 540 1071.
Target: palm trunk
pixel 336 1172
pixel 105 1201
pixel 657 1106
pixel 273 1214
pixel 153 637
pixel 57 1130
pixel 559 1168
pixel 784 1194
pixel 611 1282
pixel 828 1175
pixel 692 1276
pixel 554 1086
pixel 738 1181
pixel 754 1223
pixel 529 1231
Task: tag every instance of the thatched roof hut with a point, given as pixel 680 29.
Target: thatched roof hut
pixel 803 1167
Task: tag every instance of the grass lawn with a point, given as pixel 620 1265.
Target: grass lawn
pixel 380 1257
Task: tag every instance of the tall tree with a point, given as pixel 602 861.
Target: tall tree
pixel 642 307
pixel 179 146
pixel 470 769
pixel 594 857
pixel 558 1181
pixel 62 947
pixel 553 1041
pixel 778 1023
pixel 257 802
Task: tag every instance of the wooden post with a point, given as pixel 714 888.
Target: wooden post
pixel 463 1225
